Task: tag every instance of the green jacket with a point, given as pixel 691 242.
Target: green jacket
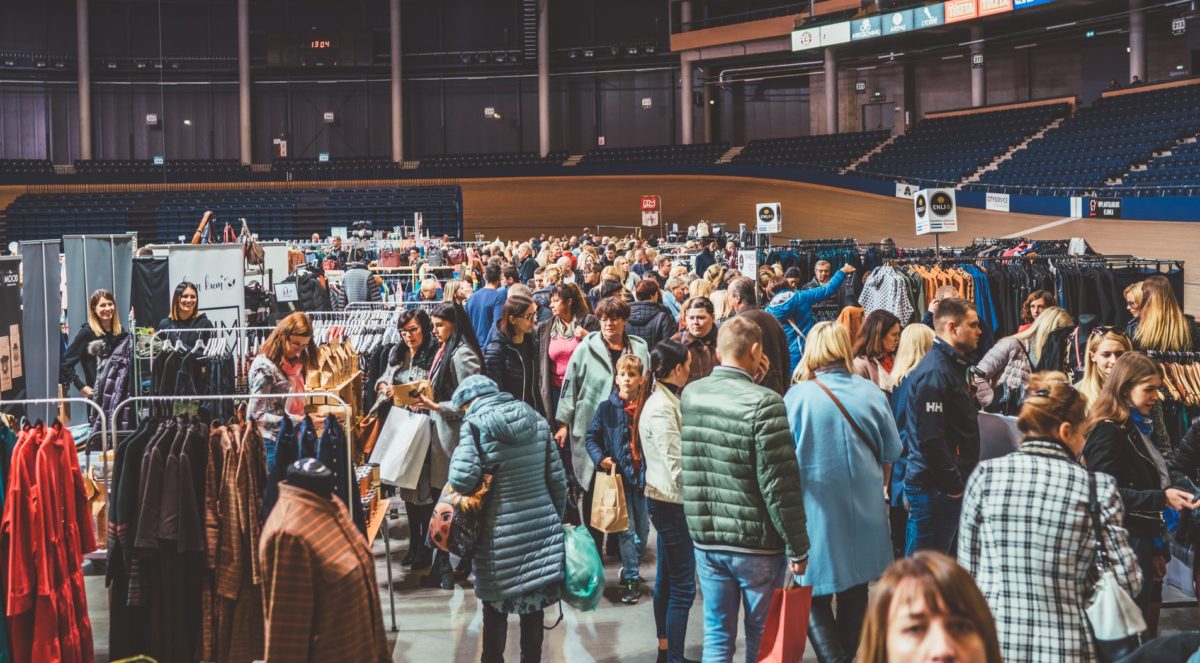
pixel 741 484
pixel 588 382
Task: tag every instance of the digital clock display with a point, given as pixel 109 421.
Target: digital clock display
pixel 320 43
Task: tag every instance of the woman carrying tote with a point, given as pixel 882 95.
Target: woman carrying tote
pixel 1039 499
pixel 1003 372
pixel 845 435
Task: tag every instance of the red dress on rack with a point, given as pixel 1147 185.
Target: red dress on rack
pixel 45 532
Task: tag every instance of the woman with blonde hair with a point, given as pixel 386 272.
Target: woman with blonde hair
pixel 1161 323
pixel 456 291
pixel 1104 347
pixel 1133 303
pixel 927 608
pixel 844 436
pixel 915 342
pixel 1003 372
pixel 97 338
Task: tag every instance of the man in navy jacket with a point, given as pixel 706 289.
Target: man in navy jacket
pixel 942 430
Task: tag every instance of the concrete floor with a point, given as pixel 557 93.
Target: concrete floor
pixel 438 626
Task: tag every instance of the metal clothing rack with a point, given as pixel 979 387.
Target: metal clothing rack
pixel 104 431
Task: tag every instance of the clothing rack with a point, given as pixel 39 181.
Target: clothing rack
pixel 1174 356
pixel 104 432
pixel 350 480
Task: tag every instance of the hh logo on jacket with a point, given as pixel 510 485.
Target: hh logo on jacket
pixel 933 407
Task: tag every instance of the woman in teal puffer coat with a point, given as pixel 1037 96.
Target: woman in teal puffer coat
pixel 519 555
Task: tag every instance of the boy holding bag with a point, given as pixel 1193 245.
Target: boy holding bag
pixel 612 442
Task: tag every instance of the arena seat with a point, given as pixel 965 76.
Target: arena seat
pixel 827 151
pixel 696 153
pixel 26 171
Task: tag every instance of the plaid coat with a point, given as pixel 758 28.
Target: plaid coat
pixel 1026 537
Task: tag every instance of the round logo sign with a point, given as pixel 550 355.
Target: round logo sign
pixel 920 204
pixel 941 204
pixel 766 214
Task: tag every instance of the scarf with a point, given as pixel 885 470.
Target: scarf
pixel 294 372
pixel 562 329
pixel 1145 426
pixel 635 445
pixel 1143 423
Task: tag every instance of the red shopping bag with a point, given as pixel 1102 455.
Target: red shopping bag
pixel 786 630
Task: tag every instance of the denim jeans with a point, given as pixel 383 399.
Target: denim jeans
pixel 633 539
pixel 932 520
pixel 675 580
pixel 728 579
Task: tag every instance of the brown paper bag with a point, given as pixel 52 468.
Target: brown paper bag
pixel 609 511
pixel 410 393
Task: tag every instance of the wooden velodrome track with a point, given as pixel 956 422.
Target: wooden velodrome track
pixel 521 207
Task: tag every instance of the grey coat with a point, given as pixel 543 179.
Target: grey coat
pixel 520 546
pixel 447 420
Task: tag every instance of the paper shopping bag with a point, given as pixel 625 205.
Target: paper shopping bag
pixel 610 513
pixel 401 448
pixel 786 630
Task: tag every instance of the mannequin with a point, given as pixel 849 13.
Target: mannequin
pixel 311 475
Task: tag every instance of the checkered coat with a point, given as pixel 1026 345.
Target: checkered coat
pixel 1026 537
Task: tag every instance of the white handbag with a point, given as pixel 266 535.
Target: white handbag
pixel 1113 614
pixel 402 447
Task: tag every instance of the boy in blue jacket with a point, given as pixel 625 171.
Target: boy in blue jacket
pixel 612 441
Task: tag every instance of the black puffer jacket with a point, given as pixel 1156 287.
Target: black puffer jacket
pixel 650 321
pixel 112 384
pixel 311 293
pixel 512 367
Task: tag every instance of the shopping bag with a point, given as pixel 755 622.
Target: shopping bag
pixel 401 449
pixel 786 630
pixel 583 576
pixel 610 513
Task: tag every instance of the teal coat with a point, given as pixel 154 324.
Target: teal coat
pixel 741 485
pixel 843 483
pixel 520 546
pixel 588 382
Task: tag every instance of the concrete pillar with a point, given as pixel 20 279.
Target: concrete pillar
pixel 397 88
pixel 685 99
pixel 831 92
pixel 685 15
pixel 708 110
pixel 243 23
pixel 978 75
pixel 543 80
pixel 1137 41
pixel 83 59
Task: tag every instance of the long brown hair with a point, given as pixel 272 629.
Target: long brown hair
pixel 1163 325
pixel 183 287
pixel 946 588
pixel 1130 370
pixel 296 324
pixel 514 306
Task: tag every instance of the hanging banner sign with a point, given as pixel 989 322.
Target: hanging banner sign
pixel 748 263
pixel 990 7
pixel 935 211
pixel 12 371
pixel 1105 208
pixel 905 190
pixel 769 218
pixel 651 207
pixel 867 27
pixel 897 22
pixel 218 273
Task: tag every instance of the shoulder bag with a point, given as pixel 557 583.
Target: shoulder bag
pixel 457 517
pixel 861 435
pixel 1115 618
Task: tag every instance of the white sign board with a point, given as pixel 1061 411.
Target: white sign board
pixel 218 273
pixel 748 263
pixel 936 211
pixel 997 202
pixel 650 218
pixel 768 218
pixel 286 292
pixel 905 190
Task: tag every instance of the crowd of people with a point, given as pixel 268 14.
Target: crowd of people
pixel 786 439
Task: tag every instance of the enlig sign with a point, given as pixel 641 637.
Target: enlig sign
pixel 768 218
pixel 936 211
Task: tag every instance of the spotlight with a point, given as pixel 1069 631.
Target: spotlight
pixel 110 65
pixel 574 54
pixel 512 57
pixel 481 58
pixel 187 123
pixel 649 49
pixel 589 53
pixel 499 57
pixel 631 50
